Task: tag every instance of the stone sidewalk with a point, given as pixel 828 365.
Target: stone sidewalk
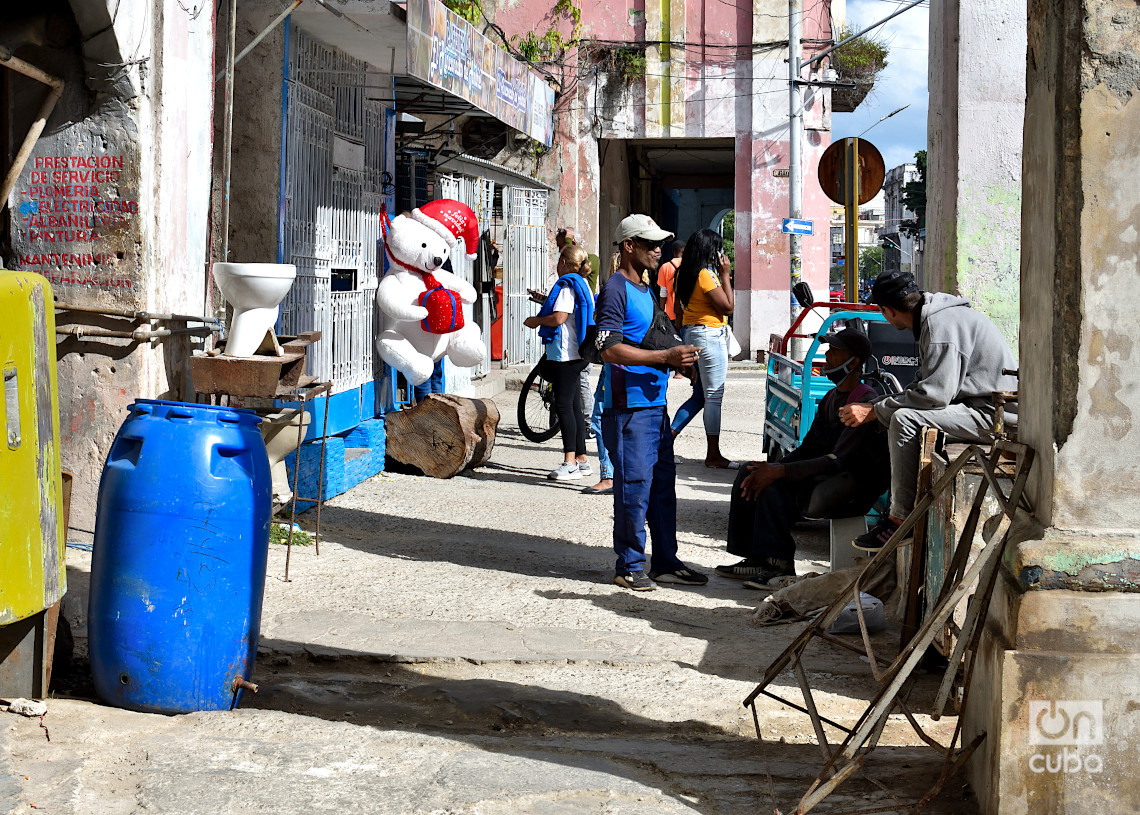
pixel 457 647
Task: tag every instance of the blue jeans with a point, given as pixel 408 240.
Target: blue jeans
pixel 645 487
pixel 605 466
pixel 712 370
pixel 433 385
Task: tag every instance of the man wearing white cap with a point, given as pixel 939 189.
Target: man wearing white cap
pixel 635 422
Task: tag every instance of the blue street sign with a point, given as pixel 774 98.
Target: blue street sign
pixel 794 226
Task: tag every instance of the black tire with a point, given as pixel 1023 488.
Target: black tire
pixel 537 419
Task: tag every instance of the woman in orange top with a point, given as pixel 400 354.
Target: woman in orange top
pixel 704 290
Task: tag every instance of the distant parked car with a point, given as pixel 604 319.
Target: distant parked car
pixel 836 292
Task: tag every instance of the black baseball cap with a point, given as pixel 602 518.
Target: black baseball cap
pixel 890 287
pixel 850 339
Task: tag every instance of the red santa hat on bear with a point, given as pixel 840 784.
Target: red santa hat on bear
pixel 451 220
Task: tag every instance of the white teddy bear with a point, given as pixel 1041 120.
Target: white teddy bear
pixel 417 244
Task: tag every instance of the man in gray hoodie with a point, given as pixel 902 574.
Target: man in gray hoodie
pixel 961 359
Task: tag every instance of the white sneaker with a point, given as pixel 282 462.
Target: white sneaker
pixel 566 471
pixel 584 468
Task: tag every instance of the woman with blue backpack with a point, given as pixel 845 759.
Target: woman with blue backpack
pixel 562 322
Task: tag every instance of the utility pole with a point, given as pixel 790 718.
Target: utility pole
pixel 795 141
pixel 796 123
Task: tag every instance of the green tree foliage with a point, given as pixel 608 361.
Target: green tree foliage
pixel 469 10
pixel 870 262
pixel 914 198
pixel 536 47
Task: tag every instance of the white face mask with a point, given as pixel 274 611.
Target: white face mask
pixel 840 373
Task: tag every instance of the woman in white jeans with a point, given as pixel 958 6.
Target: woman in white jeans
pixel 704 289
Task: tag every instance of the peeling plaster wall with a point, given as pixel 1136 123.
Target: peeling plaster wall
pixel 144 244
pixel 1079 323
pixel 977 77
pixel 1065 620
pixel 1096 469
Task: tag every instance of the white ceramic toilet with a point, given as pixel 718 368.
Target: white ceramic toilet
pixel 255 290
pixel 279 429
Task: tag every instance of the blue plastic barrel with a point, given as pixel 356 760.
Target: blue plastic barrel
pixel 178 563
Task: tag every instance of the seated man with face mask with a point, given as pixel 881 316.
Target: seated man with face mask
pixel 836 472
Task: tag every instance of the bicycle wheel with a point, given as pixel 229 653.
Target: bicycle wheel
pixel 537 419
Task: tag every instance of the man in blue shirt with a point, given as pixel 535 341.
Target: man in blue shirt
pixel 635 422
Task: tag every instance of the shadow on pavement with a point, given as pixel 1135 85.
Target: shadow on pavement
pixel 702 766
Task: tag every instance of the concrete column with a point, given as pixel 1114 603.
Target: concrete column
pixel 1064 627
pixel 977 94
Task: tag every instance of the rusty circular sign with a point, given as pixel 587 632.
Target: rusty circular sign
pixel 833 171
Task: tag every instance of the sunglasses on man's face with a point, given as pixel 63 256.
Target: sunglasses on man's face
pixel 648 244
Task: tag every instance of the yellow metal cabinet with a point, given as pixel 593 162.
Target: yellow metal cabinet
pixel 32 527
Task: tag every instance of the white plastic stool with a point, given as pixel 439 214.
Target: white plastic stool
pixel 843 531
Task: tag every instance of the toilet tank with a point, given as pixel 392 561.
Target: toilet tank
pixel 32 574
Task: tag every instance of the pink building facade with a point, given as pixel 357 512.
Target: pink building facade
pixel 680 109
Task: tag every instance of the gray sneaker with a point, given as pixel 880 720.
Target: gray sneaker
pixel 584 468
pixel 566 471
pixel 637 581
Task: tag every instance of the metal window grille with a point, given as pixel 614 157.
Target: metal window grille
pixel 525 266
pixel 331 214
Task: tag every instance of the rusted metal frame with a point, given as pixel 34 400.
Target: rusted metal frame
pixel 820 789
pixel 834 640
pixel 877 715
pixel 311 392
pixel 861 734
pixel 138 335
pixel 973 622
pixel 264 33
pixel 55 85
pixel 925 635
pixel 962 553
pixel 873 810
pixel 794 706
pixel 869 649
pixel 921 507
pixel 922 734
pixel 822 621
pixel 829 615
pixel 970 528
pixel 293 498
pixel 321 474
pixel 141 316
pixel 887 790
pixel 813 713
pixel 767 766
pixel 950 769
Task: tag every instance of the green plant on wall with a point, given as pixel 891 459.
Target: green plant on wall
pixel 627 62
pixel 861 58
pixel 469 10
pixel 536 47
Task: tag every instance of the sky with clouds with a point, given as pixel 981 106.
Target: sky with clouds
pixel 902 82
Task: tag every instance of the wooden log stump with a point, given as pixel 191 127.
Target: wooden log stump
pixel 444 434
